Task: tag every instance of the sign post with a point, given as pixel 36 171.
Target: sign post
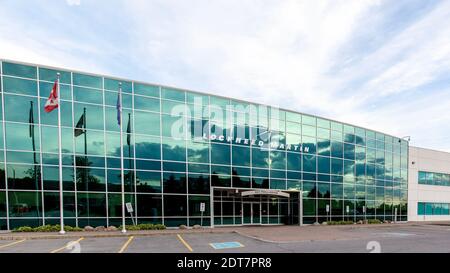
pixel 130 211
pixel 395 215
pixel 347 209
pixel 202 210
pixel 328 211
pixel 364 211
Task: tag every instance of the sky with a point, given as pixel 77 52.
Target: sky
pixel 382 65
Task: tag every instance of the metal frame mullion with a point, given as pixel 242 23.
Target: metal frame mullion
pixel 74 152
pixel 163 220
pixel 105 153
pixel 134 153
pixel 40 145
pixel 4 149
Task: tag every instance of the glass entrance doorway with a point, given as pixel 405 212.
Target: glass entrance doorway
pixel 251 213
pixel 234 207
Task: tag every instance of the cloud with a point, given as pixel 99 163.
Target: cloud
pixel 73 2
pixel 375 64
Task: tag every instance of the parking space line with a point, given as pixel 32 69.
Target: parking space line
pixel 184 243
pixel 64 247
pixel 125 246
pixel 12 244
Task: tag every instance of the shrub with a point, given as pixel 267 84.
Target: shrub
pixel 374 221
pixel 24 229
pixel 46 228
pixel 334 223
pixel 145 227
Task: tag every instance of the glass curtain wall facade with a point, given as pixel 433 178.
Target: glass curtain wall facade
pixel 358 173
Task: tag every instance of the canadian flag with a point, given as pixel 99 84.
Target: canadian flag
pixel 52 102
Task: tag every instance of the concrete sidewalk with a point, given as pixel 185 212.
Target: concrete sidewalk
pixel 265 233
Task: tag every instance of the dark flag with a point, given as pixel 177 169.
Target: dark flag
pixel 119 106
pixel 81 126
pixel 31 120
pixel 129 130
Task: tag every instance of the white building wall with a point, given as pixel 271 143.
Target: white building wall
pixel 427 160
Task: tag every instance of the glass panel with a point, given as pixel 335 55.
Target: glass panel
pixel 91 205
pixel 175 205
pixel 21 109
pixel 94 115
pixel 241 156
pixel 148 147
pixel 25 204
pixel 51 178
pixel 115 204
pixel 45 89
pixel 220 154
pixel 309 120
pixel 46 74
pixel 50 139
pixel 146 90
pixel 51 204
pixel 82 94
pixel 149 205
pixel 147 123
pixel 260 158
pixel 18 137
pixel 90 179
pixel 309 163
pixel 198 152
pixel 111 84
pixel 115 184
pixel 19 86
pixel 147 104
pixel 87 80
pixel 95 143
pixel 198 184
pixel 174 149
pixel 173 94
pixel 19 70
pixel 2 205
pixel 194 205
pixel 174 183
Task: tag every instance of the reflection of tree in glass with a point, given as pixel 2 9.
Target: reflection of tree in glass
pixel 199 184
pixel 128 180
pixel 30 181
pixel 85 180
pixel 172 183
pixel 312 193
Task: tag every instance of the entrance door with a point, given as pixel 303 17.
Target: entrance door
pixel 247 213
pixel 251 213
pixel 256 210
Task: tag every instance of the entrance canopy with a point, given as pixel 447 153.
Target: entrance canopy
pixel 265 192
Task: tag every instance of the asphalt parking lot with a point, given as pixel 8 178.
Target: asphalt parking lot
pixel 420 238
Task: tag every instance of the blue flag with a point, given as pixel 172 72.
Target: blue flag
pixel 119 108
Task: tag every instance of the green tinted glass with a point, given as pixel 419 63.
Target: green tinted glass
pixel 147 104
pixel 173 94
pixel 20 86
pixel 146 90
pixel 82 94
pixel 19 70
pixel 111 84
pixel 87 81
pixel 46 74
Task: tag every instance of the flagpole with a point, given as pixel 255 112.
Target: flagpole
pixel 122 172
pixel 61 208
